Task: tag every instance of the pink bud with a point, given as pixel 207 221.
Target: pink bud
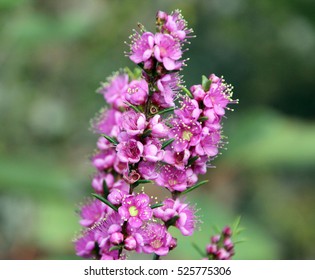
pixel 130 243
pixel 116 238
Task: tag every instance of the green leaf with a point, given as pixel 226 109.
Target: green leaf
pixel 146 133
pixel 167 110
pixel 135 108
pixel 141 182
pixel 192 160
pixel 114 248
pixel 167 142
pixel 202 119
pixel 188 93
pixel 235 226
pixel 197 248
pixel 206 83
pixel 195 186
pixel 171 221
pixel 110 139
pixel 157 205
pixel 105 188
pixel 104 200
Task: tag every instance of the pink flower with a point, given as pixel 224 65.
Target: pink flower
pixel 178 159
pixel 107 122
pixel 133 123
pixel 152 150
pixel 142 47
pixel 93 212
pixel 168 89
pixel 104 159
pixel 85 245
pixel 137 92
pixel 174 24
pixel 156 239
pixel 172 178
pixel 198 92
pixel 186 221
pixel 208 144
pixel 189 111
pixel 135 209
pixel 129 151
pixel 167 50
pixel 147 170
pixel 98 181
pixel 218 96
pixel 116 196
pixel 186 135
pixel 159 129
pixel 114 91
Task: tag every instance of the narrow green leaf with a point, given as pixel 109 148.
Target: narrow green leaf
pixel 192 160
pixel 135 108
pixel 236 224
pixel 206 83
pixel 105 188
pixel 167 110
pixel 195 186
pixel 104 200
pixel 202 119
pixel 171 221
pixel 141 182
pixel 167 142
pixel 114 248
pixel 157 205
pixel 189 94
pixel 197 248
pixel 110 139
pixel 146 133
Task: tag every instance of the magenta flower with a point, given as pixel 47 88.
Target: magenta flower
pixel 104 159
pixel 178 159
pixel 103 232
pixel 218 96
pixel 137 92
pixel 156 239
pixel 188 111
pixel 114 91
pixel 98 180
pixel 116 196
pixel 142 47
pixel 186 221
pixel 172 178
pixel 198 92
pixel 86 244
pixel 208 144
pixel 119 166
pixel 186 135
pixel 93 212
pixel 135 209
pixel 133 123
pixel 129 151
pixel 147 170
pixel 107 122
pixel 159 129
pixel 168 89
pixel 168 51
pixel 174 24
pixel 152 150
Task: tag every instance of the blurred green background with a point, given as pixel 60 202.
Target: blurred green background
pixel 53 55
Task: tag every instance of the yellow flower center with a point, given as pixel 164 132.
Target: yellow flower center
pixel 133 211
pixel 187 135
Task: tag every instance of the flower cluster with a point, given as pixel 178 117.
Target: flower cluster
pixel 221 246
pixel 154 130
